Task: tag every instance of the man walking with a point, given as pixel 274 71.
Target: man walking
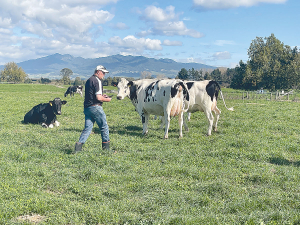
pixel 93 110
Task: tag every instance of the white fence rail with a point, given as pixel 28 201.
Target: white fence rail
pixel 269 96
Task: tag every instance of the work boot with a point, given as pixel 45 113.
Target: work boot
pixel 105 145
pixel 78 147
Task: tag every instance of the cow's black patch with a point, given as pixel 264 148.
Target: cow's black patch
pixel 164 93
pixel 143 118
pixel 149 90
pixel 190 84
pixel 174 90
pixel 133 90
pixel 186 94
pixel 212 89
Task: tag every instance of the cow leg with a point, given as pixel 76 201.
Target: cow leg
pixel 162 122
pixel 180 122
pixel 56 123
pixel 217 113
pixel 43 120
pixel 189 116
pixel 184 122
pixel 145 118
pixel 167 125
pixel 44 125
pixel 210 119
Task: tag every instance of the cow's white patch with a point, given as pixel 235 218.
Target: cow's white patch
pixel 57 123
pixel 44 125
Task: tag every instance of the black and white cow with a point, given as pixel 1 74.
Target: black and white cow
pixel 45 113
pixel 159 97
pixel 74 89
pixel 203 97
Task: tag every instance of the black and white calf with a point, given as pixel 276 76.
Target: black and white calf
pixel 203 97
pixel 159 97
pixel 74 89
pixel 45 113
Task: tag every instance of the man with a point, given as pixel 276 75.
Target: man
pixel 93 110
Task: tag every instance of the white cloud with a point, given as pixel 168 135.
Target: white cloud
pixel 132 43
pixel 152 13
pixel 166 23
pixel 226 4
pixel 221 55
pixel 79 18
pixel 172 43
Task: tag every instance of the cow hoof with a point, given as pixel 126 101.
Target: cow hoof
pixel 51 126
pixel 44 125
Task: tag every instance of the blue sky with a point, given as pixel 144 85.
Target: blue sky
pixel 212 32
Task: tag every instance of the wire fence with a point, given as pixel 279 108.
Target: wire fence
pixel 268 96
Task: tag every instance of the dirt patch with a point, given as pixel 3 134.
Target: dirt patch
pixel 35 219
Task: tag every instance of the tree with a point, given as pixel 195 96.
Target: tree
pixel 207 76
pixel 216 75
pixel 45 80
pixel 269 61
pixel 66 73
pixel 145 75
pixel 78 81
pixel 183 74
pixel 12 73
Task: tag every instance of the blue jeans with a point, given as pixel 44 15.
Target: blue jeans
pixel 94 114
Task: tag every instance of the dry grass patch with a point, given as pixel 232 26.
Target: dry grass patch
pixel 35 219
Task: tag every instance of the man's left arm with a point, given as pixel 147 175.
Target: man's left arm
pixel 103 98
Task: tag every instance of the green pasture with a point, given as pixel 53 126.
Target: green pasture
pixel 246 173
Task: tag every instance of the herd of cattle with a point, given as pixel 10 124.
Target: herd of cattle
pixel 166 98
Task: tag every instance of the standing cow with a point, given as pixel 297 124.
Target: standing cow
pixel 159 97
pixel 203 97
pixel 74 89
pixel 45 113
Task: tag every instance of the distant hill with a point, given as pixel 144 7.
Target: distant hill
pixel 118 65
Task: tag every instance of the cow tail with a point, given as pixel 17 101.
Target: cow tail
pixel 230 109
pixel 186 96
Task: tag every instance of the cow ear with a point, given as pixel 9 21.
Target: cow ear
pixel 63 102
pixel 51 103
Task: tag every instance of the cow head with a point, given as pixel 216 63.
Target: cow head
pixel 56 105
pixel 123 88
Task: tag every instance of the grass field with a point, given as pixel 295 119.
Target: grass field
pixel 246 173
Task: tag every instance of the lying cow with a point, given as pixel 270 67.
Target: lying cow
pixel 74 89
pixel 159 97
pixel 45 113
pixel 203 97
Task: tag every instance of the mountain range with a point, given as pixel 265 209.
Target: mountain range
pixel 118 65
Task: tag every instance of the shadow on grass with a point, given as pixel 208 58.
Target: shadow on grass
pixel 283 162
pixel 128 130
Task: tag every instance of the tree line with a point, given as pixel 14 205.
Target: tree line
pixel 271 65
